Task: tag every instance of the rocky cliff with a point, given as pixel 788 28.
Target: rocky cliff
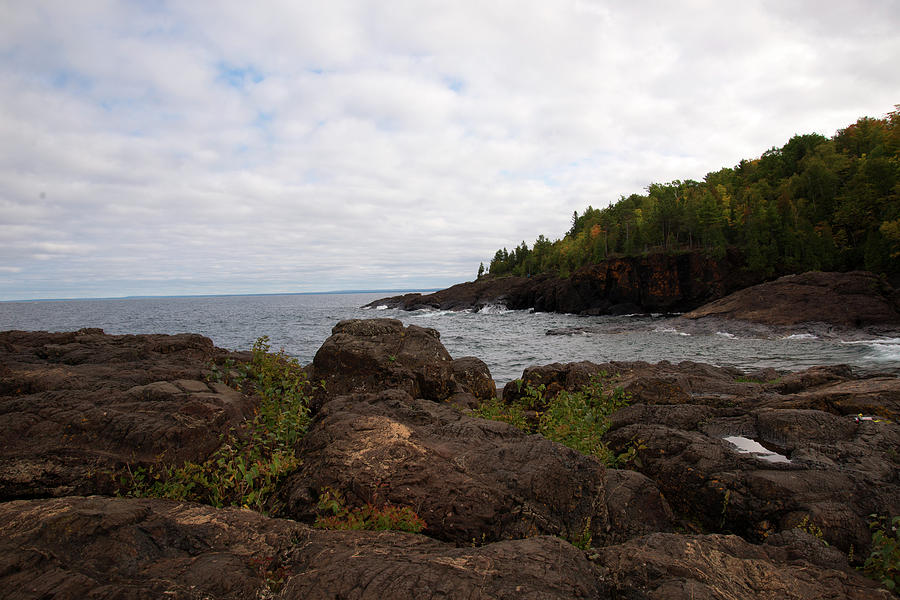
pixel 662 282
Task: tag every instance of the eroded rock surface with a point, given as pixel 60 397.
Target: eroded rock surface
pixel 74 548
pixel 75 406
pixel 712 567
pixel 472 480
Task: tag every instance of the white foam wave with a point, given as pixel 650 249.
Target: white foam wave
pixel 801 336
pixel 381 307
pixel 493 309
pixel 671 330
pixel 725 334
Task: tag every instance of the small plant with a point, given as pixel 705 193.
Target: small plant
pixel 247 466
pixel 811 528
pixel 575 419
pixel 883 563
pixel 584 538
pixel 334 514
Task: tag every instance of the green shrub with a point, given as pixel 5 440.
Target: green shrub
pixel 334 514
pixel 883 562
pixel 575 419
pixel 246 469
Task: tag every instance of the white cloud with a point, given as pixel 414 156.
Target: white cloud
pixel 180 147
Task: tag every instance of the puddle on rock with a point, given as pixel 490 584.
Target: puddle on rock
pixel 747 446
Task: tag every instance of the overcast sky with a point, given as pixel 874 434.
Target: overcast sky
pixel 187 147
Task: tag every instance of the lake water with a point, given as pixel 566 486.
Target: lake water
pixel 508 341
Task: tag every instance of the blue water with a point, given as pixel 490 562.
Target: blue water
pixel 508 341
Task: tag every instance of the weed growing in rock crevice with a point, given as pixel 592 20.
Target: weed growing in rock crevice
pixel 575 419
pixel 246 469
pixel 334 514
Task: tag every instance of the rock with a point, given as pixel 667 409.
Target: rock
pixel 659 282
pixel 76 406
pixel 635 506
pixel 73 548
pixel 706 567
pixel 471 480
pixel 852 300
pixel 378 354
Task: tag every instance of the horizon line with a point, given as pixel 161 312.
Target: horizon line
pixel 147 297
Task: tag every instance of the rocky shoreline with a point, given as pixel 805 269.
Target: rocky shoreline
pixel 690 514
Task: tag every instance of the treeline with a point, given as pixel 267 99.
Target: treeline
pixel 814 204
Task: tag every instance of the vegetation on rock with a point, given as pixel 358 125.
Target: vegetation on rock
pixel 334 514
pixel 246 469
pixel 816 203
pixel 575 419
pixel 883 563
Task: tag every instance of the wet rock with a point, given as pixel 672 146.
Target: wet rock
pixel 469 479
pixel 706 567
pixel 73 548
pixel 378 354
pixel 75 406
pixel 635 505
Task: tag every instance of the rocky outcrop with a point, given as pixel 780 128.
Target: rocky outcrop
pixel 74 407
pixel 855 300
pixel 74 548
pixel 817 463
pixel 661 282
pixel 500 506
pixel 471 480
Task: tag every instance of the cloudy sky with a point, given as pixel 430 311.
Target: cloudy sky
pixel 189 147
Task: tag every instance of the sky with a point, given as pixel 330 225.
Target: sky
pixel 150 147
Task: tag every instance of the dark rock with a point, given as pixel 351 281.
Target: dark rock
pixel 469 479
pixel 660 282
pixel 76 406
pixel 74 548
pixel 378 354
pixel 711 567
pixel 635 506
pixel 846 300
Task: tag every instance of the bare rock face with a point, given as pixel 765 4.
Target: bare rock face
pixel 74 548
pixel 709 567
pixel 379 354
pixel 469 479
pixel 74 406
pixel 854 300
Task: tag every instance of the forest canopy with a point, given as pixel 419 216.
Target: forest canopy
pixel 813 204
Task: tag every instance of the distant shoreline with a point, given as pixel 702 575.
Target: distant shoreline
pixel 393 291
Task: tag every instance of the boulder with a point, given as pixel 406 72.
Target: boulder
pixel 363 356
pixel 74 407
pixel 471 480
pixel 74 548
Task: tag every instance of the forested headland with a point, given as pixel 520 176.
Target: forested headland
pixel 816 203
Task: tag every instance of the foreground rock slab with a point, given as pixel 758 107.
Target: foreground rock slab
pixel 74 548
pixel 471 480
pixel 716 567
pixel 76 406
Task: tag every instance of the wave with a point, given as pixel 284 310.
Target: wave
pixel 725 334
pixel 801 336
pixel 880 349
pixel 670 330
pixel 493 309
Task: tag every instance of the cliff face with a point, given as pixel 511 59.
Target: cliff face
pixel 651 283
